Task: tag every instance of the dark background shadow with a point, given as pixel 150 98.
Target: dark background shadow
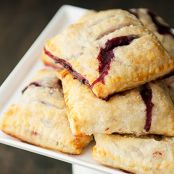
pixel 21 21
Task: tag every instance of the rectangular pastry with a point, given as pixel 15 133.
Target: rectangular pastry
pixel 109 51
pixel 148 109
pixel 40 118
pixel 139 155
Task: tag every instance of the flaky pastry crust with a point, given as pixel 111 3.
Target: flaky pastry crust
pixel 40 118
pixel 139 155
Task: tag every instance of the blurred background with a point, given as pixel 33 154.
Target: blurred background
pixel 21 21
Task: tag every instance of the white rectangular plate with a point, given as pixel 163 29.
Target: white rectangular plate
pixel 11 89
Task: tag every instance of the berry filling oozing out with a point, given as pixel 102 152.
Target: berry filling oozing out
pixel 104 58
pixel 106 55
pixel 146 95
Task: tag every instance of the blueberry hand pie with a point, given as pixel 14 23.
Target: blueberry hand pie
pixel 140 155
pixel 109 51
pixel 148 109
pixel 157 25
pixel 39 117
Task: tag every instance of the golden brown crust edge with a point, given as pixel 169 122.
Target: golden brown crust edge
pixel 133 154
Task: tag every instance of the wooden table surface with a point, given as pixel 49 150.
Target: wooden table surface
pixel 21 21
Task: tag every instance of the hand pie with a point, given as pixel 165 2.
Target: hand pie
pixel 109 51
pixel 157 25
pixel 140 155
pixel 145 110
pixel 39 117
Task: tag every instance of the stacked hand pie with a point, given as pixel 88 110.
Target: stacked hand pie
pixel 40 118
pixel 112 77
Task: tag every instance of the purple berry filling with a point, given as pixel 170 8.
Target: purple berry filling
pixel 161 28
pixel 68 67
pixel 146 95
pixel 31 84
pixel 106 55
